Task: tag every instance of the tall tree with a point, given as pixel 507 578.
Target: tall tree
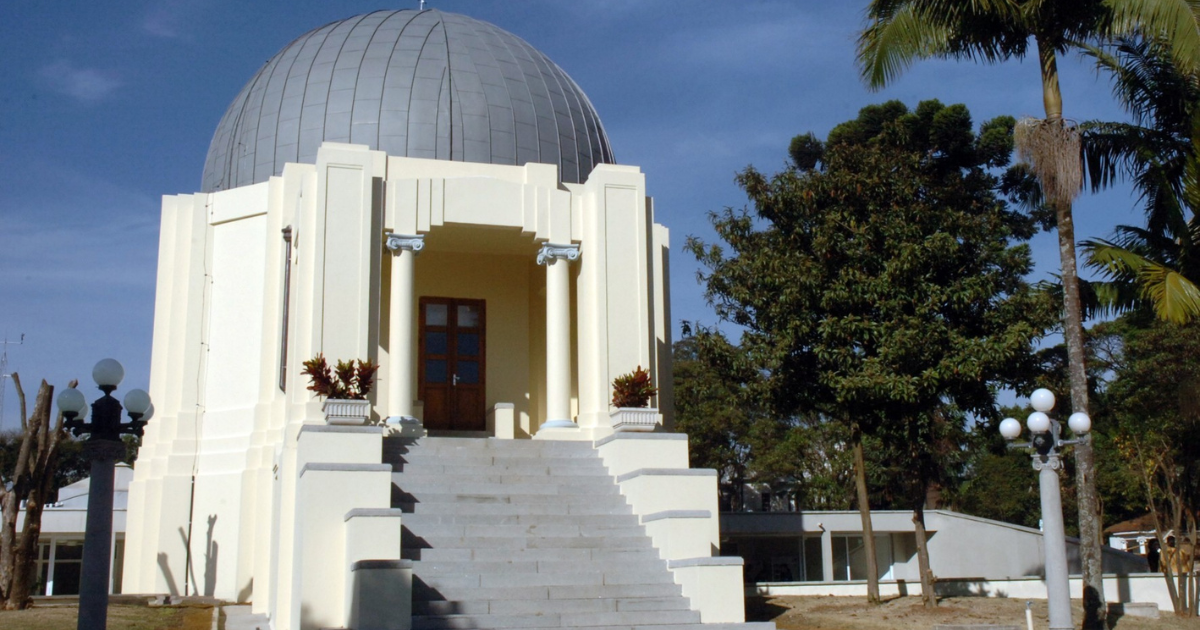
pixel 885 280
pixel 1154 398
pixel 1159 151
pixel 30 482
pixel 899 32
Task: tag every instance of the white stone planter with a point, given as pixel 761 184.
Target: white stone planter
pixel 635 419
pixel 346 412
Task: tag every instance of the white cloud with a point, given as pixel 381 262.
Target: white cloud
pixel 87 85
pixel 166 18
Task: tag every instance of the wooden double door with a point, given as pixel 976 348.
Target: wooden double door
pixel 451 363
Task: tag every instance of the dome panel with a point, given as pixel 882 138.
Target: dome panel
pixel 422 84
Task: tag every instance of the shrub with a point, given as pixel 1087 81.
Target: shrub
pixel 633 389
pixel 350 380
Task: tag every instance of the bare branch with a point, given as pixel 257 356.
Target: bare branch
pixel 16 379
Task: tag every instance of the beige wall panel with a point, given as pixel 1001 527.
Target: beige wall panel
pixel 627 309
pixel 479 201
pixel 239 203
pixel 235 335
pixel 401 216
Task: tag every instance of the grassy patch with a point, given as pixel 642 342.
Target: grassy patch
pixel 119 616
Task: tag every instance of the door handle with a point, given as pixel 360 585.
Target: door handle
pixel 454 381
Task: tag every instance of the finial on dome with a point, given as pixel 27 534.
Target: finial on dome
pixel 422 5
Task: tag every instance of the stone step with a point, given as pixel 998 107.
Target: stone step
pixel 441 487
pixel 578 578
pixel 517 463
pixel 493 474
pixel 558 530
pixel 505 506
pixel 507 606
pixel 474 470
pixel 423 592
pixel 512 542
pixel 556 620
pixel 594 520
pixel 577 554
pixel 476 567
pixel 466 498
pixel 473 446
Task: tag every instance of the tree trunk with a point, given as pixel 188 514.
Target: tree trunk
pixel 1090 554
pixel 864 510
pixel 927 580
pixel 32 480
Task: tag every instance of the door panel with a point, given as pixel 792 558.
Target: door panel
pixel 452 363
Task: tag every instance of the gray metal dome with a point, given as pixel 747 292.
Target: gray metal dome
pixel 422 84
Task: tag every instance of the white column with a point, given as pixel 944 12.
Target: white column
pixel 400 347
pixel 558 333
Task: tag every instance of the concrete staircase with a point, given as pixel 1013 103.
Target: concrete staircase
pixel 528 534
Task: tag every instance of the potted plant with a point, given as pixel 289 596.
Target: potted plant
pixel 345 388
pixel 631 397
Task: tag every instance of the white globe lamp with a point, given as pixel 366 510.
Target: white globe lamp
pixel 1042 399
pixel 1038 422
pixel 137 401
pixel 1080 423
pixel 72 401
pixel 108 373
pixel 1010 428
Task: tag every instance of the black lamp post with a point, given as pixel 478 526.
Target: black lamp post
pixel 103 447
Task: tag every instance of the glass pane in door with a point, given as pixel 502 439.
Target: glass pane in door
pixel 468 316
pixel 436 314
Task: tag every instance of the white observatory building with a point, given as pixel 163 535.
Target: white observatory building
pixel 428 192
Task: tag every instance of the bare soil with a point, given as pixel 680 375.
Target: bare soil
pixel 907 613
pixel 125 617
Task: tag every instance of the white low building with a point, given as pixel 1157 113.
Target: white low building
pixel 60 545
pixel 431 193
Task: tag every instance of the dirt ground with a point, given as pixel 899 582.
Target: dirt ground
pixel 906 613
pixel 124 617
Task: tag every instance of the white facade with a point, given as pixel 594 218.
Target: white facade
pixel 220 456
pixel 827 547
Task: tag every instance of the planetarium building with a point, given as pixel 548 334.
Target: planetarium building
pixel 429 193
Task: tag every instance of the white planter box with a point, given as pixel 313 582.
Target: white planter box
pixel 635 419
pixel 351 412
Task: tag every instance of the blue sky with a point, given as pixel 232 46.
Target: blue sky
pixel 106 106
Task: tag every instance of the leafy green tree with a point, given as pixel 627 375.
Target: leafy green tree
pixel 1154 399
pixel 1159 151
pixel 900 32
pixel 883 284
pixel 711 408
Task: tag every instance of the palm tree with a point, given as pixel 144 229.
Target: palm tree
pixel 1159 265
pixel 899 32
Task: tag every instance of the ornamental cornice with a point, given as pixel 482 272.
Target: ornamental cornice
pixel 402 242
pixel 553 251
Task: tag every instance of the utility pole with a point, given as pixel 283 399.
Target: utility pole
pixel 4 375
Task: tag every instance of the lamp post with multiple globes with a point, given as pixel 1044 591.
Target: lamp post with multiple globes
pixel 1044 447
pixel 103 447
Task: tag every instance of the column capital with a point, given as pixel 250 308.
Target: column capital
pixel 401 242
pixel 552 251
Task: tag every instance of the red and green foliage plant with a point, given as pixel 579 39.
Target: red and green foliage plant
pixel 349 380
pixel 633 389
